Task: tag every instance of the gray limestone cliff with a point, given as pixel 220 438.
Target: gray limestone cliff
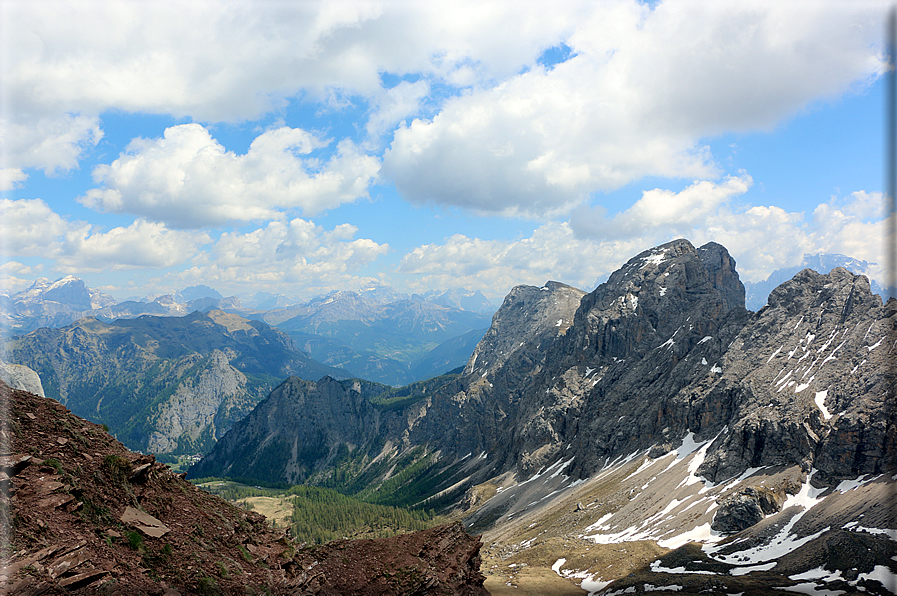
pixel 21 377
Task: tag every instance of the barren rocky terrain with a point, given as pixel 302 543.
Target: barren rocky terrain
pixel 83 515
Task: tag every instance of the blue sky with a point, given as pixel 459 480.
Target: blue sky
pixel 303 147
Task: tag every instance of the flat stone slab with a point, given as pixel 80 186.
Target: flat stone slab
pixel 64 563
pixel 55 501
pixel 144 522
pixel 82 579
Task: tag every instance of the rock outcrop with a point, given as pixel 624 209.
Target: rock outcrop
pixel 299 428
pixel 21 377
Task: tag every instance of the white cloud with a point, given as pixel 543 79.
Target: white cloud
pixel 553 252
pixel 188 179
pixel 644 86
pixel 141 245
pixel 760 238
pixel 53 144
pixel 227 60
pixel 297 256
pixel 643 89
pixel 394 105
pixel 30 228
pixel 660 211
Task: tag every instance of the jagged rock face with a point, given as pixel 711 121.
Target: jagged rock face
pixel 658 325
pixel 297 429
pixel 806 380
pixel 745 508
pixel 207 404
pixel 528 317
pixel 70 291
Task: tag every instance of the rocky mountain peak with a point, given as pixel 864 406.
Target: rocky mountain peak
pixel 721 267
pixel 528 316
pixel 655 295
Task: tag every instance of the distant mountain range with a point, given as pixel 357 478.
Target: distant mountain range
pixel 756 293
pixel 169 385
pixel 388 339
pixel 377 333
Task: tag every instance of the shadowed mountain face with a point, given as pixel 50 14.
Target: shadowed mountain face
pixel 164 384
pixel 662 363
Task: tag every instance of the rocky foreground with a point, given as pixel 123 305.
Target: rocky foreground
pixel 83 515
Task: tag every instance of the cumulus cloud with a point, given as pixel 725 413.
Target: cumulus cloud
pixel 761 238
pixel 33 229
pixel 141 245
pixel 227 60
pixel 553 252
pixel 661 210
pixel 298 255
pixel 30 228
pixel 53 144
pixel 188 179
pixel 642 90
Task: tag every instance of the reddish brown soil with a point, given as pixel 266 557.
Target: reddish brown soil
pixel 66 484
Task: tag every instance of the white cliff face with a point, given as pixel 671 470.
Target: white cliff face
pixel 21 377
pixel 193 409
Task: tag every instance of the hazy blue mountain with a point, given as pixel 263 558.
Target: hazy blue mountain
pixel 756 293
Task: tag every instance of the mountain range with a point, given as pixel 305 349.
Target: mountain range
pixel 376 333
pixel 169 385
pixel 652 434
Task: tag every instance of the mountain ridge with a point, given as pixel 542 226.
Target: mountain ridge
pixel 661 359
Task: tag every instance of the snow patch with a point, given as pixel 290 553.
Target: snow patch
pixel 870 348
pixel 655 258
pixel 706 338
pixel 702 533
pixel 882 575
pixel 746 570
pixel 820 403
pixel 818 573
pixel 656 567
